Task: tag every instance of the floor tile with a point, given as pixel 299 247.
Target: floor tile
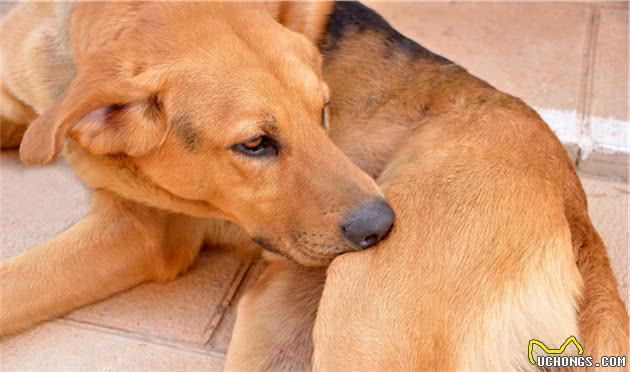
pixel 573 151
pixel 5 6
pixel 613 166
pixel 610 72
pixel 36 202
pixel 618 4
pixel 186 310
pixel 531 50
pixel 60 346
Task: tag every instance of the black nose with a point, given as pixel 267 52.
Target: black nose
pixel 368 223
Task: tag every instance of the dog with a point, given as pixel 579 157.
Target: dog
pixel 492 244
pixel 180 116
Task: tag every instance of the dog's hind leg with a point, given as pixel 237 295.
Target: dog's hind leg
pixel 118 245
pixel 273 330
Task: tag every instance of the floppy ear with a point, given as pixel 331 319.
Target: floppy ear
pixel 98 98
pixel 133 129
pixel 306 17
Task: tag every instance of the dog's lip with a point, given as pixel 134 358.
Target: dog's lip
pixel 315 260
pixel 266 245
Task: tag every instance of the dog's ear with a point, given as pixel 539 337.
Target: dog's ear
pixel 106 112
pixel 133 128
pixel 306 17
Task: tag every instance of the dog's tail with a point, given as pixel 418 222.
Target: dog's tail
pixel 603 319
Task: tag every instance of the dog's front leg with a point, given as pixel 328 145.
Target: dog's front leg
pixel 275 318
pixel 118 245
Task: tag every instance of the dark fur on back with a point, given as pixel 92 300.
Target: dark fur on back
pixel 355 16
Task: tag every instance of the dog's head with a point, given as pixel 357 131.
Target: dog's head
pixel 219 103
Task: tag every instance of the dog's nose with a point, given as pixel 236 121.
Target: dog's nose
pixel 367 224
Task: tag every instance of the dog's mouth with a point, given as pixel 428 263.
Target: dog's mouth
pixel 268 246
pixel 299 254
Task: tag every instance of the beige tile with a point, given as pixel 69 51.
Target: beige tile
pixel 572 150
pixel 186 310
pixel 610 73
pixel 37 203
pixel 619 4
pixel 531 50
pixel 613 166
pixel 5 6
pixel 59 346
pixel 609 204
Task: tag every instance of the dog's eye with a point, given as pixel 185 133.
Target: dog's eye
pixel 325 114
pixel 259 146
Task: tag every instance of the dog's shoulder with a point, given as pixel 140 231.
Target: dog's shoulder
pixel 36 56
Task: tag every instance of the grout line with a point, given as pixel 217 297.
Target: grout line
pixel 239 276
pixel 254 271
pixel 583 83
pixel 233 302
pixel 148 338
pixel 585 95
pixel 595 22
pixel 578 157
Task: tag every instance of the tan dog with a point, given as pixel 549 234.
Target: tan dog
pixel 492 244
pixel 179 113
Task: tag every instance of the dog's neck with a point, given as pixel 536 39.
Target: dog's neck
pixel 381 82
pixel 385 85
pixel 367 62
pixel 351 18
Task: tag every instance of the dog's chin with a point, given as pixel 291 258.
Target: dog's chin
pixel 300 255
pixel 310 260
pixel 297 259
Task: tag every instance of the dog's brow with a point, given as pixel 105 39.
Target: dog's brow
pixel 269 125
pixel 185 129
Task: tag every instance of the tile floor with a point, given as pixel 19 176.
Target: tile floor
pixel 568 60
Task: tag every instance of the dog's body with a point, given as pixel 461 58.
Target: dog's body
pixel 492 246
